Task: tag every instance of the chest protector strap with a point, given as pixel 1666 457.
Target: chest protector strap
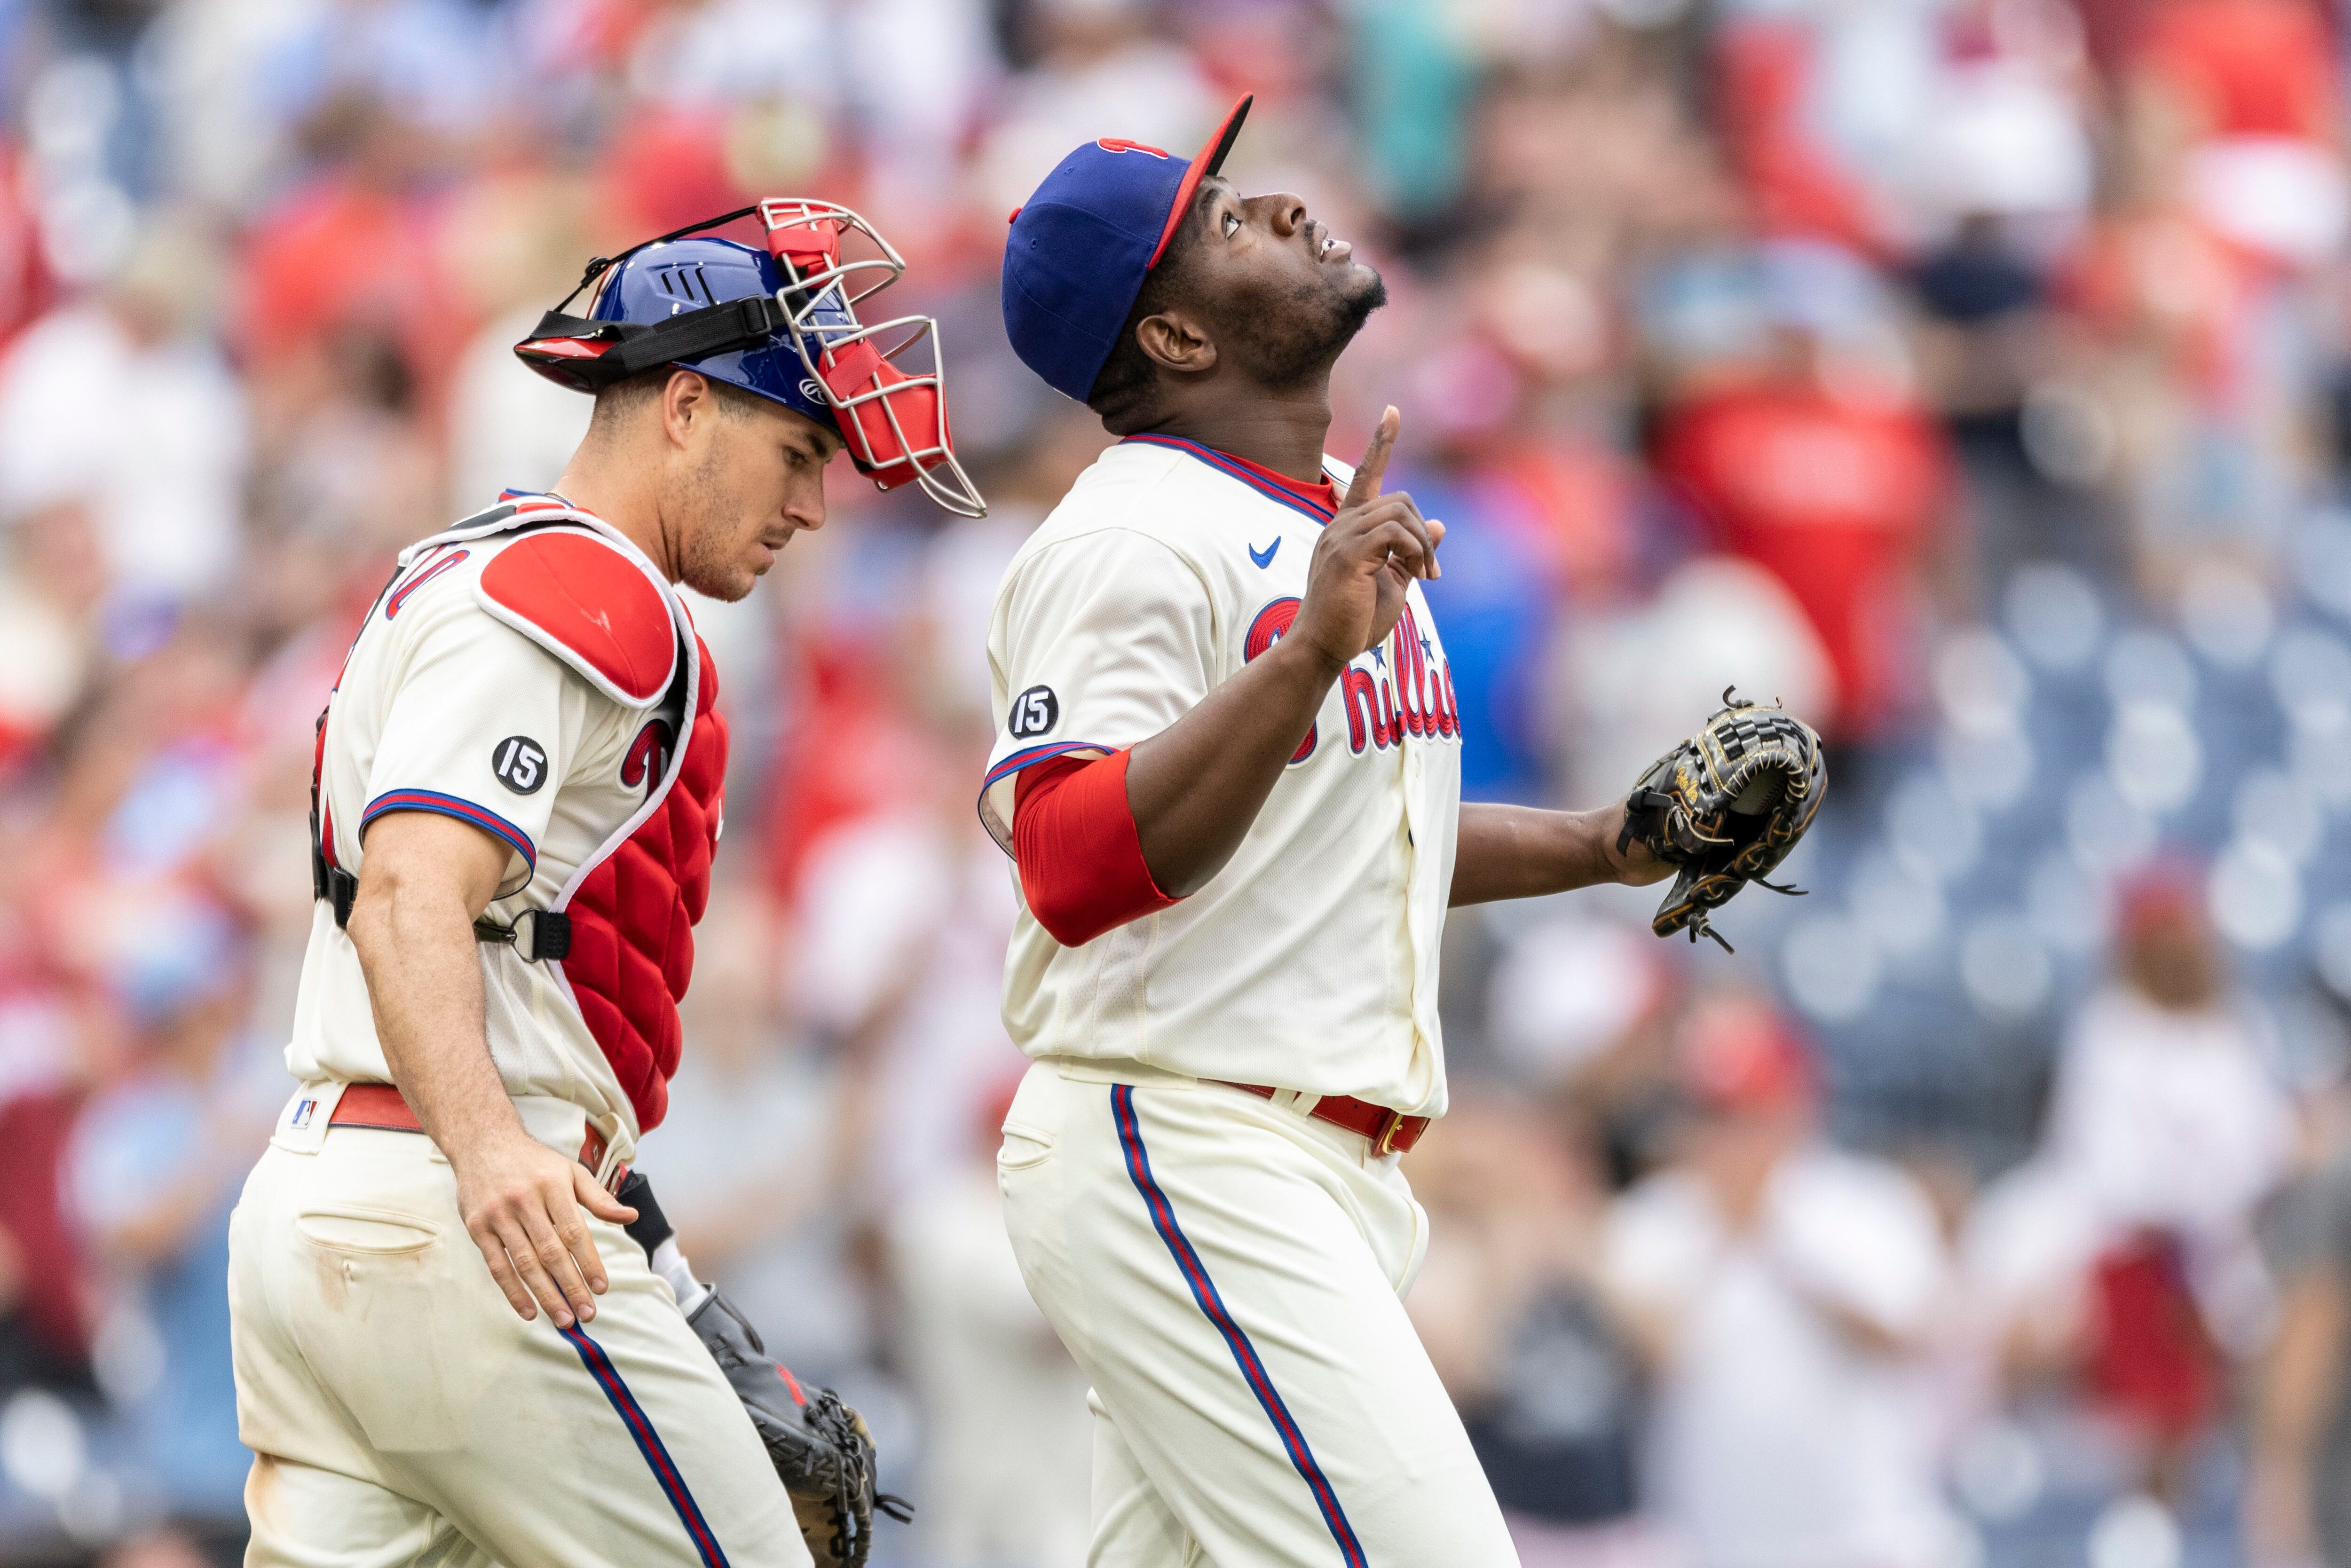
pixel 536 936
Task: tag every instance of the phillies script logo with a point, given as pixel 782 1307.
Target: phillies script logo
pixel 647 758
pixel 1121 144
pixel 1409 691
pixel 400 595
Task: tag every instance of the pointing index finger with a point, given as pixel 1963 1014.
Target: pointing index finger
pixel 1366 486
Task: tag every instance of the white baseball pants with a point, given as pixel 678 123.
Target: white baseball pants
pixel 400 1413
pixel 1230 1276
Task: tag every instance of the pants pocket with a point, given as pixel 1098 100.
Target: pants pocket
pixel 379 1318
pixel 382 1231
pixel 1023 1147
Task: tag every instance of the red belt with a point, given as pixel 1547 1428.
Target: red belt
pixel 1388 1130
pixel 384 1108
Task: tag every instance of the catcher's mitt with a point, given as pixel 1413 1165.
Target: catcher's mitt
pixel 820 1446
pixel 1725 806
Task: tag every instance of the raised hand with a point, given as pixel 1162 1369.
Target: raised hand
pixel 1366 559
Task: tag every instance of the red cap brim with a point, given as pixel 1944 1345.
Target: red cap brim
pixel 1210 160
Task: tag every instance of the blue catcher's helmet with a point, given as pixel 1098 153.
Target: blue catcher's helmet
pixel 781 323
pixel 668 278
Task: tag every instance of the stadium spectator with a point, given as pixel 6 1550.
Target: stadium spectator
pixel 2298 1495
pixel 1510 1304
pixel 1008 1445
pixel 1990 343
pixel 746 1190
pixel 47 1306
pixel 2167 1124
pixel 1783 1292
pixel 152 1172
pixel 118 417
pixel 1826 474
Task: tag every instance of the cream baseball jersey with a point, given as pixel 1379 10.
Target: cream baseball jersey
pixel 1309 962
pixel 529 674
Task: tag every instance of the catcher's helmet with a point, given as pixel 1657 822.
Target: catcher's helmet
pixel 781 323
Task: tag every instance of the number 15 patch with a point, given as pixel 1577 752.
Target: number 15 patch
pixel 1034 712
pixel 520 764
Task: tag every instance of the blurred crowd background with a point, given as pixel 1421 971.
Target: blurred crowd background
pixel 1973 375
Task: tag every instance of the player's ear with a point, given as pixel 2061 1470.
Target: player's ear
pixel 1172 338
pixel 687 400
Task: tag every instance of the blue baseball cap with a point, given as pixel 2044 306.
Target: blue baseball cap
pixel 1081 246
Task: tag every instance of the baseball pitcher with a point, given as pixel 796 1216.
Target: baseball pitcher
pixel 1228 773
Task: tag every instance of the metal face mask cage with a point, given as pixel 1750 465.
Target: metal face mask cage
pixel 892 418
pixel 893 415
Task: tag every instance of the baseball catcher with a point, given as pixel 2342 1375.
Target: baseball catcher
pixel 447 1347
pixel 1724 807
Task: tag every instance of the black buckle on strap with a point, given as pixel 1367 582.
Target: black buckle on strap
pixel 536 936
pixel 335 887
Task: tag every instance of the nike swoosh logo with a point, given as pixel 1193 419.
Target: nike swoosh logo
pixel 1265 557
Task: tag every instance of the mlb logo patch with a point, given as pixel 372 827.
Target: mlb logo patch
pixel 303 1110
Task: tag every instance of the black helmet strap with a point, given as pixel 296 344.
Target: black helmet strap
pixel 640 346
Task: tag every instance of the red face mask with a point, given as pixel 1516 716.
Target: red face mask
pixel 884 383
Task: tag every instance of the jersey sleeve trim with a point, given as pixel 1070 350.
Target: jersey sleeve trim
pixel 1036 754
pixel 451 806
pixel 996 806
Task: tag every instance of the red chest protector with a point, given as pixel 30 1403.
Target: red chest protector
pixel 624 941
pixel 619 932
pixel 634 913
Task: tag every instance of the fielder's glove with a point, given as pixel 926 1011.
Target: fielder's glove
pixel 820 1446
pixel 1725 806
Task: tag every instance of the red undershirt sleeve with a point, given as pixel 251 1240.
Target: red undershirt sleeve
pixel 1080 858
